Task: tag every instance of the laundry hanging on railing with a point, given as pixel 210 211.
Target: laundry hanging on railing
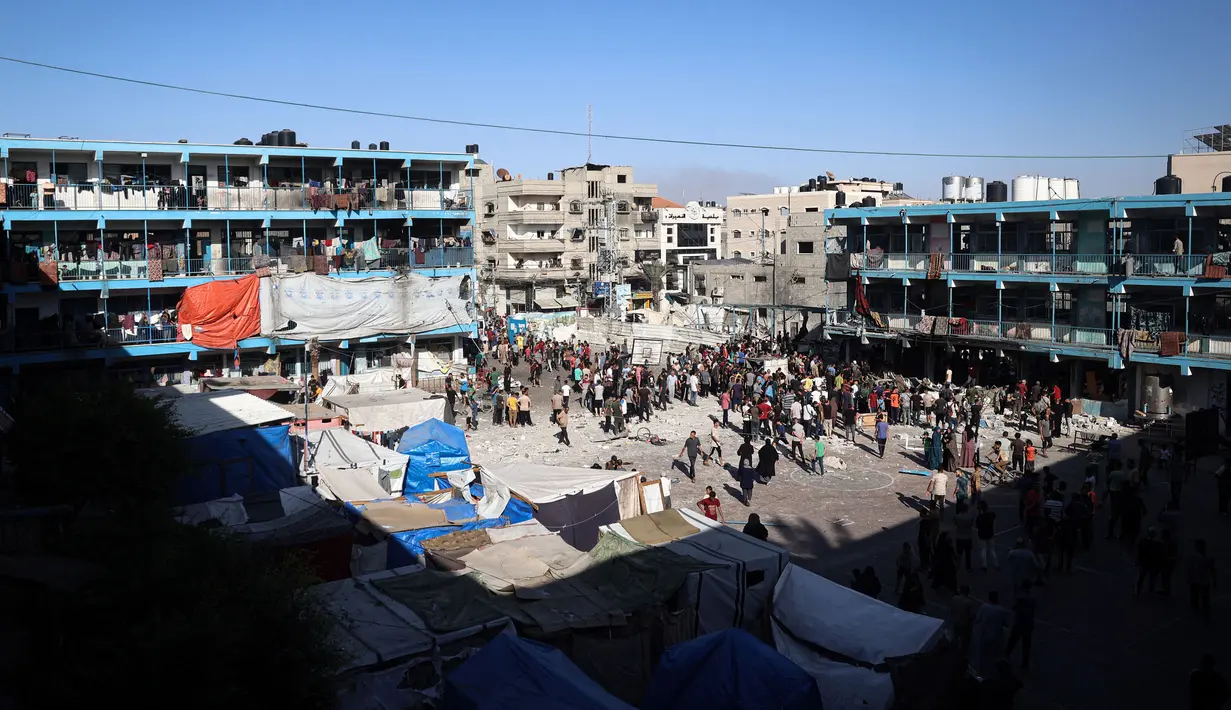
pixel 1124 339
pixel 1171 344
pixel 875 258
pixel 1154 322
pixel 936 264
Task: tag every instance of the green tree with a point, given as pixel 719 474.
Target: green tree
pixel 169 615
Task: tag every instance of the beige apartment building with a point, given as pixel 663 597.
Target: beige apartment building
pixel 543 236
pixel 1205 164
pixel 748 215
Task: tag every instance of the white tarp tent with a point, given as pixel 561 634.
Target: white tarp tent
pixel 211 412
pixel 811 613
pixel 735 594
pixel 572 501
pixel 390 411
pixel 312 306
pixel 381 379
pixel 353 468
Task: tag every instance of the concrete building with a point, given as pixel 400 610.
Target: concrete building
pixel 1088 294
pixel 540 235
pixel 682 235
pixel 102 237
pixel 748 215
pixel 1205 164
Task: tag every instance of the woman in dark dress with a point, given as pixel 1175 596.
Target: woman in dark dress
pixel 944 564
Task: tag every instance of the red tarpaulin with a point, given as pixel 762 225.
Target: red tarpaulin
pixel 221 313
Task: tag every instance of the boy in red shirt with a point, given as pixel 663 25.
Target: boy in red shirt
pixel 711 506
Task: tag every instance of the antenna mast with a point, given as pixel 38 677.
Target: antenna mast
pixel 589 133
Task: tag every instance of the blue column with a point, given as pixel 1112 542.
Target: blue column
pixel 1052 227
pixel 303 184
pixel 906 241
pixel 305 238
pixel 265 182
pixel 227 263
pixel 999 245
pixel 226 179
pixel 1000 310
pixel 55 240
pixel 187 252
pixel 1189 251
pixel 1053 309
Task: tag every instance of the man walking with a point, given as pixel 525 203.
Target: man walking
pixel 937 490
pixel 715 447
pixel 562 422
pixel 818 463
pixel 692 445
pixel 882 434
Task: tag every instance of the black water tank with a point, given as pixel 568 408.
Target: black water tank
pixel 355 145
pixel 868 201
pixel 551 176
pixel 1168 185
pixel 472 148
pixel 384 145
pixel 243 141
pixel 899 187
pixel 997 191
pixel 286 137
pixel 371 146
pixel 839 200
pixel 805 188
pixel 811 184
pixel 1226 183
pixel 822 181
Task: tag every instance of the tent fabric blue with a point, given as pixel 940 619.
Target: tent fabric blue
pixel 245 461
pixel 433 447
pixel 408 544
pixel 729 670
pixel 512 672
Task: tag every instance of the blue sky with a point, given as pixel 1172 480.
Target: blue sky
pixel 1039 77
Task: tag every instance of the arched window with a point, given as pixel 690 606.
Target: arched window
pixel 735 254
pixel 575 207
pixel 735 234
pixel 490 208
pixel 736 212
pixel 622 206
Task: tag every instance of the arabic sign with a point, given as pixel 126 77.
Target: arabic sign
pixel 602 288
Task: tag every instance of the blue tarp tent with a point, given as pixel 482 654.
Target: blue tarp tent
pixel 729 670
pixel 245 461
pixel 433 447
pixel 512 672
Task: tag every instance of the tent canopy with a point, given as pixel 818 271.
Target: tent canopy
pixel 729 670
pixel 512 672
pixel 432 447
pixel 211 412
pixel 540 483
pixel 239 461
pixel 389 411
pixel 338 448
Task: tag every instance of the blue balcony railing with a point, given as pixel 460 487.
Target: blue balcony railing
pixel 101 196
pixel 92 338
pixel 1058 264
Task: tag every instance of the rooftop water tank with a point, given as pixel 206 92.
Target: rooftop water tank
pixel 972 189
pixel 997 191
pixel 1055 189
pixel 1168 185
pixel 286 137
pixel 868 201
pixel 1025 188
pixel 1226 183
pixel 371 146
pixel 839 199
pixel 1072 189
pixel 355 145
pixel 951 188
pixel 384 145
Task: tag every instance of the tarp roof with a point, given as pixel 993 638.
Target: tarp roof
pixel 389 411
pixel 211 412
pixel 847 622
pixel 512 672
pixel 729 670
pixel 375 399
pixel 547 302
pixel 254 382
pixel 315 411
pixel 338 448
pixel 540 483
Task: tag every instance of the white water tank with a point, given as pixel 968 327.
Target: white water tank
pixel 1024 188
pixel 972 189
pixel 1055 189
pixel 951 188
pixel 1071 189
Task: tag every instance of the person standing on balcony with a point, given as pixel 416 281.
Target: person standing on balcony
pixel 1178 250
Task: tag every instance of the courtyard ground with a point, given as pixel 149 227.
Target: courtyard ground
pixel 1096 644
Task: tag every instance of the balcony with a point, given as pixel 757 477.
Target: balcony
pixel 528 216
pixel 94 196
pixel 535 273
pixel 82 338
pixel 438 258
pixel 531 245
pixel 645 216
pixel 1058 264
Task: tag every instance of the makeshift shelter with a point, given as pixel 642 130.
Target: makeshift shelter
pixel 407 523
pixel 512 672
pixel 263 386
pixel 729 670
pixel 575 502
pixel 288 519
pixel 238 443
pixel 737 591
pixel 389 659
pixel 219 314
pixel 433 447
pixel 370 381
pixel 862 652
pixel 312 306
pixel 390 411
pixel 350 467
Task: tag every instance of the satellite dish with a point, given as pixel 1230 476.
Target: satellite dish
pixel 503 174
pixel 831 175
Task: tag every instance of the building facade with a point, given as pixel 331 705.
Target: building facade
pixel 1090 294
pixel 103 237
pixel 682 235
pixel 538 236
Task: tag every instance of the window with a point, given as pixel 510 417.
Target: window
pixel 592 190
pixel 735 234
pixel 735 254
pixel 473 172
pixel 786 211
pixel 758 279
pixel 575 206
pixel 490 209
pixel 622 206
pixel 670 229
pixel 621 179
pixel 735 212
pixel 428 180
pixel 804 248
pixel 798 280
pixel 593 217
pixel 71 173
pixel 737 277
pixel 623 234
pixel 130 173
pixel 670 239
pixel 23 173
pixel 576 262
pixel 812 209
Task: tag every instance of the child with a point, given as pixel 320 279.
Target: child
pixel 1030 456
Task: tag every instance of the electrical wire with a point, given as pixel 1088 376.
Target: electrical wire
pixel 560 132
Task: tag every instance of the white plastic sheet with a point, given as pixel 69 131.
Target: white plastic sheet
pixel 311 306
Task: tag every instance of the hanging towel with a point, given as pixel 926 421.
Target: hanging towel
pixel 1124 338
pixel 371 250
pixel 1171 344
